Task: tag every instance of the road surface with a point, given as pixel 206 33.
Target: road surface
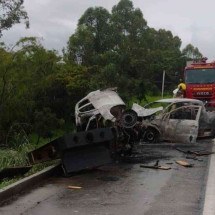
pixel 123 188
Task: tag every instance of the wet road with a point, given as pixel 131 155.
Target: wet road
pixel 123 188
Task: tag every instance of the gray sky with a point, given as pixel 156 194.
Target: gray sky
pixel 56 20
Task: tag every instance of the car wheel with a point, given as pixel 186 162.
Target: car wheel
pixel 151 135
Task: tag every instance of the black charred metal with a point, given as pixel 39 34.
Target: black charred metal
pixel 78 151
pixel 11 172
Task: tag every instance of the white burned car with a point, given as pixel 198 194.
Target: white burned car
pixel 98 109
pixel 176 120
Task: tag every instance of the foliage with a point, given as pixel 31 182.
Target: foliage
pixel 34 83
pixel 12 12
pixel 119 49
pixel 191 53
pixel 44 123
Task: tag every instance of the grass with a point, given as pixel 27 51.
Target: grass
pixel 7 182
pixel 14 158
pixel 36 168
pixel 17 156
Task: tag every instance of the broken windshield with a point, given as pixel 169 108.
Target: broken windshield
pixel 199 76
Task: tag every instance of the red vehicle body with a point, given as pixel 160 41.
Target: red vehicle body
pixel 200 81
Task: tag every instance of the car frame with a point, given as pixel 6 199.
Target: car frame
pixel 179 129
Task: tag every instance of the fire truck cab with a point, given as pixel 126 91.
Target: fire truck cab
pixel 199 78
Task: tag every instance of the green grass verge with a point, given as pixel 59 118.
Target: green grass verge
pixel 36 168
pixel 17 156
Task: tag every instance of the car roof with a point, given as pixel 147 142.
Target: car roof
pixel 176 100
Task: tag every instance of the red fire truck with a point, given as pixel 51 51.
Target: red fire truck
pixel 199 78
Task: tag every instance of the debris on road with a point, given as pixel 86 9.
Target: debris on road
pixel 169 163
pixel 193 158
pixel 196 153
pixel 11 172
pixel 184 163
pixel 155 166
pixel 74 187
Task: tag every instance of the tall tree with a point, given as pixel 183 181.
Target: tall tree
pixel 129 27
pixel 12 12
pixel 191 53
pixel 127 21
pixel 92 36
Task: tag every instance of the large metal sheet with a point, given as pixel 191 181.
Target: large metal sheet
pixel 85 158
pixel 78 151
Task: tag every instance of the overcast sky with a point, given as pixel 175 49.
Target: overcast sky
pixel 56 20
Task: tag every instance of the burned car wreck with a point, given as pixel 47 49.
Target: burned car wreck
pixel 98 109
pixel 175 119
pixel 106 129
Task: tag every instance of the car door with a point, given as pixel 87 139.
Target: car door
pixel 182 124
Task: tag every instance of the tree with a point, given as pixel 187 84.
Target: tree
pixel 5 76
pixel 44 122
pixel 92 36
pixel 127 21
pixel 191 52
pixel 23 72
pixel 119 49
pixel 12 12
pixel 162 52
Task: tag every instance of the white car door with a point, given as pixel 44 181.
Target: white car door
pixel 182 124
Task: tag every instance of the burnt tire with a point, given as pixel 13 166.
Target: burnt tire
pixel 151 135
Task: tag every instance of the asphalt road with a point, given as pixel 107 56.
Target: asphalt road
pixel 123 188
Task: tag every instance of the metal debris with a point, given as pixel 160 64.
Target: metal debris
pixel 12 172
pixel 74 187
pixel 184 163
pixel 193 158
pixel 78 151
pixel 196 153
pixel 156 166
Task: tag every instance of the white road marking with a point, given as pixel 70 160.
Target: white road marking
pixel 209 205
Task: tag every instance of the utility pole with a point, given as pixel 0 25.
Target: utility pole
pixel 163 82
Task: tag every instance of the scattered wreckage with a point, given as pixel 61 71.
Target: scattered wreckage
pixel 106 129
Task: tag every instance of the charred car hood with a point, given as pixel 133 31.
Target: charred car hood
pixel 143 112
